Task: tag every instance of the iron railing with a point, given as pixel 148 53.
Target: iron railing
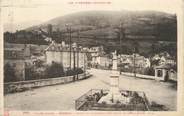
pixel 84 103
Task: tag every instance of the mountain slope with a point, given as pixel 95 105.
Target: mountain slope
pixel 136 24
pixel 148 32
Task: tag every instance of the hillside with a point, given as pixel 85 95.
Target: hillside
pixel 139 29
pixel 137 25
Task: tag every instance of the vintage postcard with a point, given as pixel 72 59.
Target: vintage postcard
pixel 92 57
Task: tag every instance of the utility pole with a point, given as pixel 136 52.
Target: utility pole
pixel 84 64
pixel 49 30
pixel 121 35
pixel 70 41
pixel 134 67
pixel 74 47
pixel 78 53
pixel 70 47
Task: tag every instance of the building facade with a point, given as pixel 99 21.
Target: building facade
pixel 61 53
pixel 99 58
pixel 14 60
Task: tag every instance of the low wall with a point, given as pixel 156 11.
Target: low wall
pixel 138 75
pixel 11 87
pixel 147 76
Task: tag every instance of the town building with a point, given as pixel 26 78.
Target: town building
pixel 61 53
pixel 140 61
pixel 165 72
pixel 15 57
pixel 104 61
pixel 164 58
pixel 99 58
pixel 167 60
pixel 25 48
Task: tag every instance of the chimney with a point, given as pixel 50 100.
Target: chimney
pixel 49 30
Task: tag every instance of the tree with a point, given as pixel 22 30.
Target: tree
pixel 55 70
pixel 155 62
pixel 153 48
pixel 9 73
pixel 136 47
pixel 150 71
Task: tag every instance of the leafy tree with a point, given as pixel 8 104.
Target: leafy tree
pixel 150 71
pixel 55 70
pixel 30 73
pixel 155 62
pixel 74 71
pixel 136 47
pixel 9 73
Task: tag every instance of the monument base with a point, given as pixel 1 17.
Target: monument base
pixel 101 100
pixel 114 98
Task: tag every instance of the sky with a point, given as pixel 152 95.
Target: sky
pixel 19 11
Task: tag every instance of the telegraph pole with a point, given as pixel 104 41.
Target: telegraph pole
pixel 70 41
pixel 78 52
pixel 74 58
pixel 134 67
pixel 74 47
pixel 84 64
pixel 70 46
pixel 121 35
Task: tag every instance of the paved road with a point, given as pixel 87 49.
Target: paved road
pixel 62 97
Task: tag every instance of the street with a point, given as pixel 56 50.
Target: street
pixel 62 97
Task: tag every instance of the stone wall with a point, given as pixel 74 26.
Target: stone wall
pixel 138 75
pixel 173 78
pixel 25 85
pixel 18 66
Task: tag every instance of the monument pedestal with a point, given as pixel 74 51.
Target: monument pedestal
pixel 114 96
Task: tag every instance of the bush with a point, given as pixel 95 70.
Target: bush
pixel 150 71
pixel 15 89
pixel 79 70
pixel 50 71
pixel 33 73
pixel 54 70
pixel 104 103
pixel 74 71
pixel 29 73
pixel 130 69
pixel 9 73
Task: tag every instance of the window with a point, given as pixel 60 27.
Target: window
pixel 160 73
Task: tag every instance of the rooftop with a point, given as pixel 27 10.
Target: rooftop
pixel 164 66
pixel 64 47
pixel 13 54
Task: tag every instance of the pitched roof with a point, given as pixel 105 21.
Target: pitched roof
pixel 60 48
pixel 164 66
pixel 13 54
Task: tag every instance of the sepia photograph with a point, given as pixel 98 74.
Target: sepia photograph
pixel 90 55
